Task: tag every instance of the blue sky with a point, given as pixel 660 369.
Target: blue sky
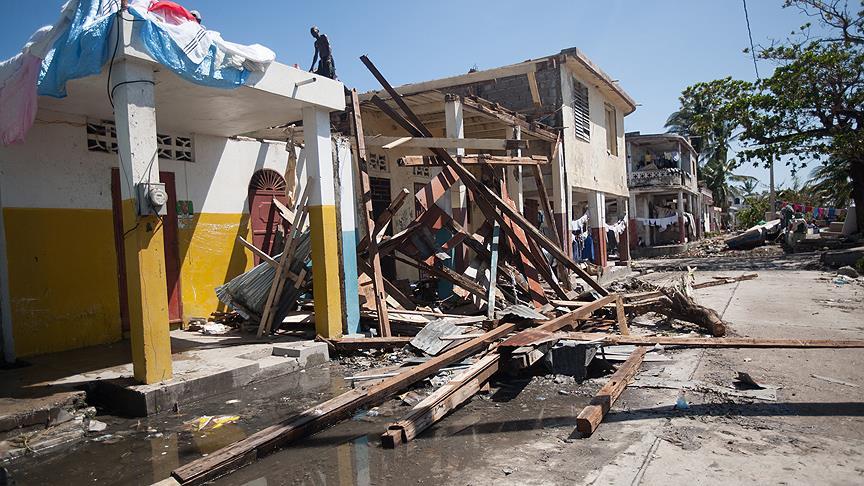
pixel 654 47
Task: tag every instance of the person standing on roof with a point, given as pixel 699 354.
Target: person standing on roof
pixel 326 66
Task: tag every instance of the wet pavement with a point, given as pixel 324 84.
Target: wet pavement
pixel 141 452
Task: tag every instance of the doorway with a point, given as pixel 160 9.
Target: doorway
pixel 172 249
pixel 266 221
pixel 380 188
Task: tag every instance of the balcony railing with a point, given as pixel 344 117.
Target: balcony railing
pixel 659 178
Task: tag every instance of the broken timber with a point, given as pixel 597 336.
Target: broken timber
pixel 441 402
pixel 387 143
pixel 355 344
pixel 490 203
pixel 323 415
pixel 713 342
pixel 475 159
pixel 591 416
pixel 372 244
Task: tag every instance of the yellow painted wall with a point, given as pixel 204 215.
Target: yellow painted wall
pixel 63 273
pixel 210 256
pixel 62 279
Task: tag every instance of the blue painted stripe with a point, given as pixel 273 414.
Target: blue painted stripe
pixel 352 286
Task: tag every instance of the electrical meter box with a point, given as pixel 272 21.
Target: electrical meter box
pixel 152 199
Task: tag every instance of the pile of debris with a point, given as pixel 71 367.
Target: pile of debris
pixel 488 330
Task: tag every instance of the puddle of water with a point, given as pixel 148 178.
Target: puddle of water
pixel 143 452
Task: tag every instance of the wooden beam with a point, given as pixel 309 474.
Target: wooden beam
pixel 544 203
pixel 474 159
pixel 448 274
pixel 487 108
pixel 493 271
pixel 254 249
pixel 384 219
pixel 390 142
pixel 356 344
pixel 590 417
pixel 441 402
pixel 372 243
pixel 614 339
pixel 323 415
pixel 534 89
pixel 711 283
pixel 621 316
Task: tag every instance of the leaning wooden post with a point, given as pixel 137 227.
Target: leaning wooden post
pixel 374 257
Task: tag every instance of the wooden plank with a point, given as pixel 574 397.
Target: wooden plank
pixel 389 142
pixel 323 415
pixel 392 290
pixel 486 108
pixel 560 322
pixel 534 89
pixel 286 213
pixel 261 254
pixel 621 316
pixel 544 204
pixel 716 342
pixel 474 159
pixel 275 293
pixel 590 417
pixel 372 243
pixel 447 274
pixel 711 283
pixel 355 344
pixel 441 402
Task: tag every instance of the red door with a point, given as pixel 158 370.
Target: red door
pixel 265 219
pixel 172 249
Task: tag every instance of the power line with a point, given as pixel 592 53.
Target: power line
pixel 750 34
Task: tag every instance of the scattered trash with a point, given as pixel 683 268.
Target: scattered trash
pixel 214 329
pixel 231 402
pixel 847 271
pixel 212 422
pixel 94 425
pixel 681 402
pixel 841 280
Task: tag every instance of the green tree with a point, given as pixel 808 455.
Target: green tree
pixel 748 187
pixel 812 105
pixel 830 184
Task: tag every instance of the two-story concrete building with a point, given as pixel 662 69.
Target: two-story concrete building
pixel 664 191
pixel 587 172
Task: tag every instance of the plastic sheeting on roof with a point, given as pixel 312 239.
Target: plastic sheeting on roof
pixel 78 45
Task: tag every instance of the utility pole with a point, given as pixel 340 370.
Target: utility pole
pixel 772 198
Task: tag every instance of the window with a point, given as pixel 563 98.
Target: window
pixel 581 114
pixel 611 131
pixel 102 137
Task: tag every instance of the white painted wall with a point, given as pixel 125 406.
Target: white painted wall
pixel 54 169
pixel 589 164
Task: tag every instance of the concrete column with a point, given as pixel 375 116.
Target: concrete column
pixel 135 117
pixel 348 231
pixel 597 223
pixel 633 236
pixel 559 199
pixel 455 128
pixel 643 210
pixel 7 339
pixel 682 232
pixel 514 176
pixel 624 238
pixel 322 221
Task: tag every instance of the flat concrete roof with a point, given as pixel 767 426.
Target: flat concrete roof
pixel 271 98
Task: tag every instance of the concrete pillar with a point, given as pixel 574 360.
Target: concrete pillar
pixel 514 176
pixel 322 222
pixel 597 223
pixel 135 117
pixel 560 200
pixel 624 238
pixel 455 128
pixel 633 236
pixel 682 232
pixel 348 231
pixel 7 339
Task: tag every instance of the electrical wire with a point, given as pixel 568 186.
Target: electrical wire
pixel 750 34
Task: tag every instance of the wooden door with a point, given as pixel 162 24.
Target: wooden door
pixel 265 219
pixel 172 249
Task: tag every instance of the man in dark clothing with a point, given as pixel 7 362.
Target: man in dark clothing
pixel 326 67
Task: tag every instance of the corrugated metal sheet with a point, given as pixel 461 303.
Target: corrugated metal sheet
pixel 247 293
pixel 520 310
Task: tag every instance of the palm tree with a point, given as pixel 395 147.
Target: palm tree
pixel 717 175
pixel 748 186
pixel 830 184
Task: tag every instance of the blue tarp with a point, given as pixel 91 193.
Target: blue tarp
pixel 81 51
